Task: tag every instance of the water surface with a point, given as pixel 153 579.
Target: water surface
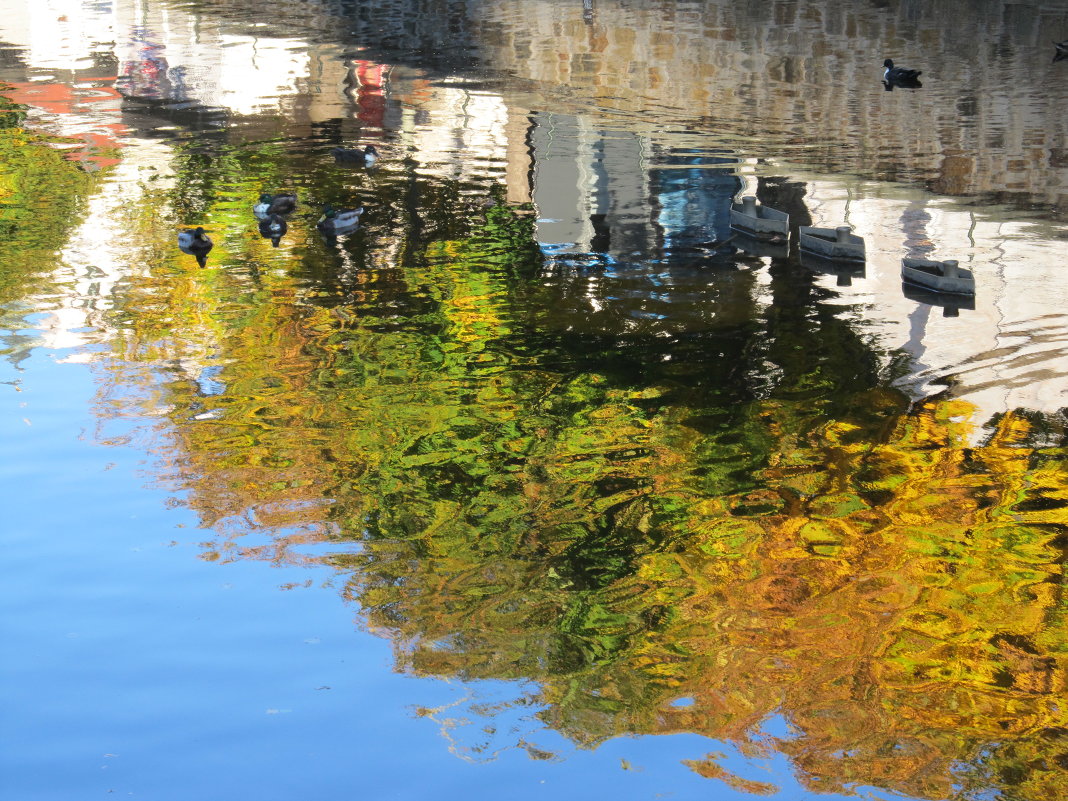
pixel 539 480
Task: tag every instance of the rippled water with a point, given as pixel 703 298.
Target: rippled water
pixel 545 459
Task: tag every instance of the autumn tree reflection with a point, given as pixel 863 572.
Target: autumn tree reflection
pixel 735 509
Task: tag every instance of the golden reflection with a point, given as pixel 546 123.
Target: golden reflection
pixel 502 504
pixel 889 587
pixel 735 511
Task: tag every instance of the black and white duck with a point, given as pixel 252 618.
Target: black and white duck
pixel 367 157
pixel 284 203
pixel 196 243
pixel 334 221
pixel 1061 51
pixel 899 75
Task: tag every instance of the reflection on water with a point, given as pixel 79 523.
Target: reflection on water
pixel 545 416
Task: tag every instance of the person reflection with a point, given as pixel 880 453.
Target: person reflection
pixel 148 75
pixel 601 242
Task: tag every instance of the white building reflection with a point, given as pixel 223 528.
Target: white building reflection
pixel 1007 352
pixel 59 34
pixel 604 189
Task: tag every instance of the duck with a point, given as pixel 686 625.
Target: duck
pixel 1061 51
pixel 335 222
pixel 894 74
pixel 196 243
pixel 273 227
pixel 284 203
pixel 367 157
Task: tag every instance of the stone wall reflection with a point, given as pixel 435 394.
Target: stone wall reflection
pixel 803 77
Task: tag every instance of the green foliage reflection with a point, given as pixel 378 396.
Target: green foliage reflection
pixel 761 531
pixel 41 194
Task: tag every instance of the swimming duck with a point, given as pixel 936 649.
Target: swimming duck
pixel 196 243
pixel 1061 52
pixel 367 157
pixel 335 222
pixel 273 227
pixel 275 204
pixel 894 74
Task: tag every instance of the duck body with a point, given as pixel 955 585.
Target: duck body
pixel 275 204
pixel 273 227
pixel 196 243
pixel 1061 51
pixel 367 157
pixel 899 75
pixel 335 222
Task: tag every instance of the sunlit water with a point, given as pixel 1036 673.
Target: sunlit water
pixel 540 482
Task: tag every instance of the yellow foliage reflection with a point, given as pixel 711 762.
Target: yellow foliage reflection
pixel 625 540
